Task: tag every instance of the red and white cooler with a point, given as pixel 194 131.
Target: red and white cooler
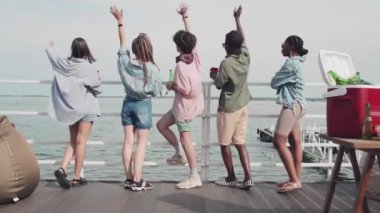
pixel 346 104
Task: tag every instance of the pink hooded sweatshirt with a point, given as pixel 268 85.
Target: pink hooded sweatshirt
pixel 188 100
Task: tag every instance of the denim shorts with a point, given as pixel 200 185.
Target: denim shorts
pixel 137 113
pixel 89 118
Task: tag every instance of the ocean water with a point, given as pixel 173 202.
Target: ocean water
pixel 109 130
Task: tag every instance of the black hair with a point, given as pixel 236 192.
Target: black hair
pixel 234 40
pixel 297 44
pixel 79 49
pixel 185 41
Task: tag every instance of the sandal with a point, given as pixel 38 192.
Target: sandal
pixel 282 184
pixel 142 185
pixel 373 195
pixel 226 182
pixel 247 184
pixel 128 183
pixel 290 186
pixel 80 181
pixel 61 175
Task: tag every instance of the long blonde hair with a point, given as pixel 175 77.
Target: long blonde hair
pixel 143 49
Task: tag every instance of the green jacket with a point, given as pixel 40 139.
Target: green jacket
pixel 232 79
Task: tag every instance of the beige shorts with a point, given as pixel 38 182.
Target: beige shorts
pixel 289 120
pixel 232 126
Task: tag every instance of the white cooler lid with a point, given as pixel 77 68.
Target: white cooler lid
pixel 340 63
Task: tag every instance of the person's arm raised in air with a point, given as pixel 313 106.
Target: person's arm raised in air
pixel 53 57
pixel 237 13
pixel 123 53
pixel 118 14
pixel 183 11
pixel 58 63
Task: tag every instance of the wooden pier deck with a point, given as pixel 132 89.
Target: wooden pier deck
pixel 111 197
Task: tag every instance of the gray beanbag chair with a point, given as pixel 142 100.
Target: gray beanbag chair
pixel 19 171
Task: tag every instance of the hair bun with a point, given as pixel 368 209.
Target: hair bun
pixel 303 52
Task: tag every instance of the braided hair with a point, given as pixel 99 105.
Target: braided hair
pixel 297 44
pixel 143 49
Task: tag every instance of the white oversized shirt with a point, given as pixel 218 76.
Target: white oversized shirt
pixel 74 89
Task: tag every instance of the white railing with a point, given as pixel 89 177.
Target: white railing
pixel 317 145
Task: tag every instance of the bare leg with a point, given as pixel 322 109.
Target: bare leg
pixel 69 151
pixel 228 162
pixel 244 160
pixel 127 150
pixel 296 149
pixel 142 136
pixel 163 127
pixel 189 149
pixel 286 156
pixel 80 150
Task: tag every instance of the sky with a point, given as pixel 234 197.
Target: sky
pixel 348 26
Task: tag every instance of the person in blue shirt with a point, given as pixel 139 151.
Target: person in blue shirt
pixel 289 83
pixel 140 78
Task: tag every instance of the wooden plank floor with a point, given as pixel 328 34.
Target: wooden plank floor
pixel 164 198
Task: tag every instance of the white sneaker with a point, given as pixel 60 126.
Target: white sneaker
pixel 176 159
pixel 190 182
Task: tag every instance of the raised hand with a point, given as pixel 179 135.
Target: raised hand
pixel 51 43
pixel 237 11
pixel 183 8
pixel 118 14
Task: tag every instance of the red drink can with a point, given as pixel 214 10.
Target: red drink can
pixel 214 70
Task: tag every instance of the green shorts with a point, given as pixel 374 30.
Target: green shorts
pixel 184 126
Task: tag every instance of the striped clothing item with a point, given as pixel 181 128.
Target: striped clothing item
pixel 132 76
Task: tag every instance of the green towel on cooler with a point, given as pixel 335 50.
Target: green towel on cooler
pixel 354 80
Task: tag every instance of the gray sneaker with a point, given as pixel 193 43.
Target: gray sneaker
pixel 176 159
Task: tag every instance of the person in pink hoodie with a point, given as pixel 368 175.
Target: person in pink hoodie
pixel 188 101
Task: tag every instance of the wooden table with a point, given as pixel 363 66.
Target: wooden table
pixel 372 147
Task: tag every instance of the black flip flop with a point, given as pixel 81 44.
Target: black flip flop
pixel 60 175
